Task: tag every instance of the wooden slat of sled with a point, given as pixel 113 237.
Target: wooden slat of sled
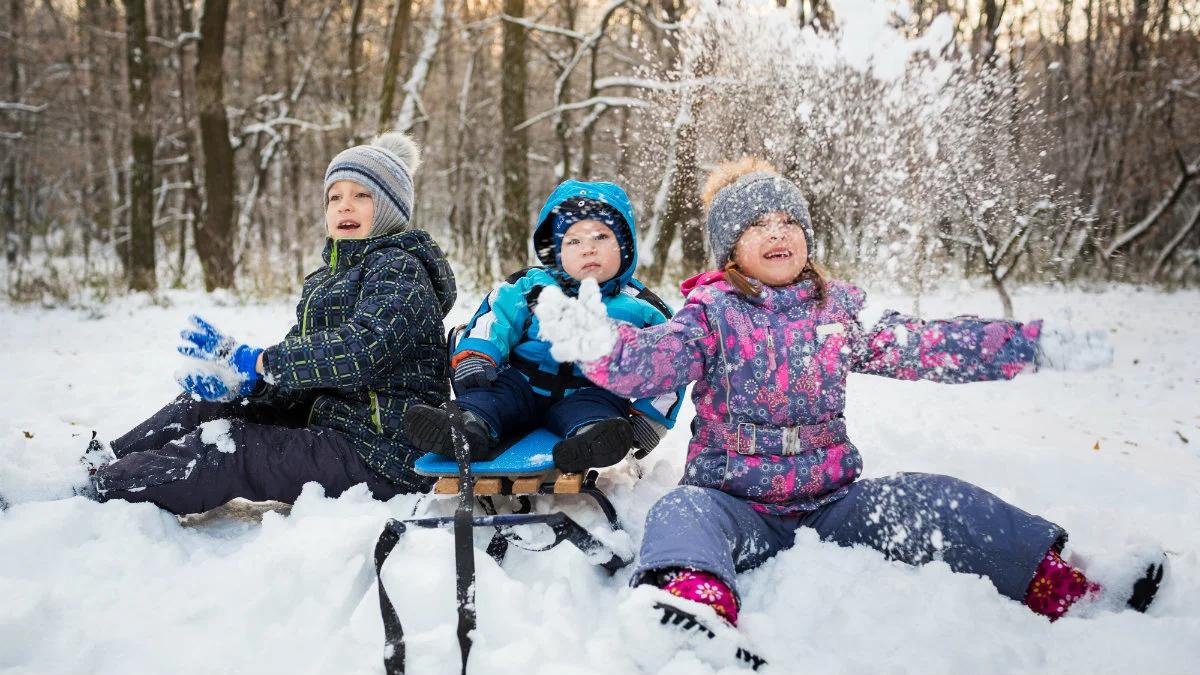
pixel 568 483
pixel 483 486
pixel 527 485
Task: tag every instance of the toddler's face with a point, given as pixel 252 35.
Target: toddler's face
pixel 350 211
pixel 772 249
pixel 590 251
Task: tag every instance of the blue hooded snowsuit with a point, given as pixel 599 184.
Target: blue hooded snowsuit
pixel 534 386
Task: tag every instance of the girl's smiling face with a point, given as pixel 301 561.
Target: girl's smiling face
pixel 772 249
pixel 349 210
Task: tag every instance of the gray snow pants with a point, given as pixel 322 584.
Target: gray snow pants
pixel 266 455
pixel 911 517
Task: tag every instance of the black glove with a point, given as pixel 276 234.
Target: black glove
pixel 474 372
pixel 646 433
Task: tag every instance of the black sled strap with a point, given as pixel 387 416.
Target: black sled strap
pixel 393 632
pixel 464 547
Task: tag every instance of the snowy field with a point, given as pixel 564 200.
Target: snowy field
pixel 1112 455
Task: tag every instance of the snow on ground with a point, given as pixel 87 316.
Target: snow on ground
pixel 1112 455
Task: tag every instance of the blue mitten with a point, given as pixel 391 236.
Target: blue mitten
pixel 225 370
pixel 205 386
pixel 202 340
pixel 223 380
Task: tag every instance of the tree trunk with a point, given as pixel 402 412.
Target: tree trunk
pixel 214 235
pixel 141 185
pixel 514 150
pixel 193 202
pixel 401 17
pixel 10 229
pixel 352 69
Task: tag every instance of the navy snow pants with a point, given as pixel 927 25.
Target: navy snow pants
pixel 510 406
pixel 193 456
pixel 911 517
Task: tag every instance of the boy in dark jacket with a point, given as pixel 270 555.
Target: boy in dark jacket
pixel 326 403
pixel 507 381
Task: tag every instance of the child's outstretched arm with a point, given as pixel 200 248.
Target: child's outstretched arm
pixel 630 362
pixel 396 306
pixel 963 349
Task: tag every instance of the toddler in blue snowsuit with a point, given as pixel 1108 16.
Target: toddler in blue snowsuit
pixel 506 380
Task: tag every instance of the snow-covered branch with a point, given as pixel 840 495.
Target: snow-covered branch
pixel 545 28
pixel 1186 175
pixel 416 81
pixel 15 106
pixel 656 85
pixel 610 101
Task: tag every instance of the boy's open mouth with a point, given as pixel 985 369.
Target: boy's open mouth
pixel 348 225
pixel 778 254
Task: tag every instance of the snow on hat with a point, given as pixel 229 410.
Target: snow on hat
pixel 385 167
pixel 744 200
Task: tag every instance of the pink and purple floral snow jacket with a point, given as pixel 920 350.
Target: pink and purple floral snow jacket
pixel 770 377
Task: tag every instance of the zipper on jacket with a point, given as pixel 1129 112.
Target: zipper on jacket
pixel 332 268
pixel 771 350
pixel 375 412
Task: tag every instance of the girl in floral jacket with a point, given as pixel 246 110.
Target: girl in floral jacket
pixel 769 343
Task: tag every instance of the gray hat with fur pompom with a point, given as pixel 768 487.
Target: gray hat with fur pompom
pixel 737 205
pixel 385 167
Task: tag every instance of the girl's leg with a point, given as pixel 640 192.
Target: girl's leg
pixel 254 461
pixel 704 530
pixel 178 419
pixel 918 517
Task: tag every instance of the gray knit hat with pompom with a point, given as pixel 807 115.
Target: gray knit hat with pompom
pixel 385 167
pixel 744 201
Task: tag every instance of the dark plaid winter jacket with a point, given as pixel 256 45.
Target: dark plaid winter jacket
pixel 369 342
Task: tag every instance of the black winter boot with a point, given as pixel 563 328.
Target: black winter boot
pixel 429 430
pixel 97 454
pixel 603 443
pixel 1145 588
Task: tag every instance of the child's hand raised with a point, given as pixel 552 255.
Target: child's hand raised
pixel 578 329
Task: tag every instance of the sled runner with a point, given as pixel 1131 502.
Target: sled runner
pixel 524 470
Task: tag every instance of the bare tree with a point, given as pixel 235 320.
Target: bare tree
pixel 514 143
pixel 401 17
pixel 141 182
pixel 214 235
pixel 352 69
